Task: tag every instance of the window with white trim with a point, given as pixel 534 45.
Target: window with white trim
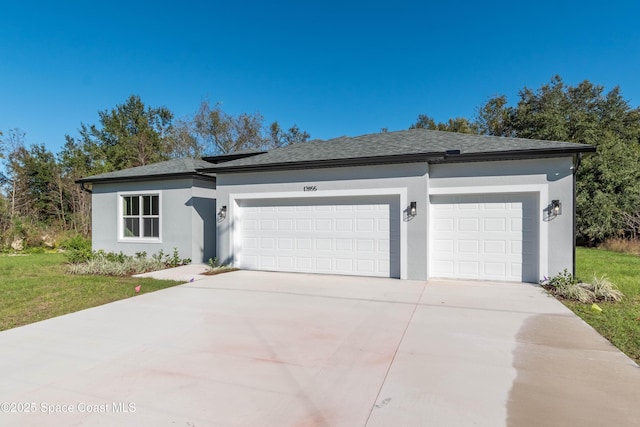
pixel 140 216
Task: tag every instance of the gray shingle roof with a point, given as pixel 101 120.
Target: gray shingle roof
pixel 167 168
pixel 401 143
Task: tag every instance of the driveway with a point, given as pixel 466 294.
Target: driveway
pixel 276 349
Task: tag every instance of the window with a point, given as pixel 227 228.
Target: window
pixel 141 216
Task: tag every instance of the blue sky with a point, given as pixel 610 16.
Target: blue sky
pixel 333 68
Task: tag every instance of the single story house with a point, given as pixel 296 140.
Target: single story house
pixel 414 204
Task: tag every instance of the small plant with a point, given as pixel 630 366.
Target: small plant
pixel 605 290
pixel 216 268
pixel 119 264
pixel 566 285
pixel 563 279
pixel 158 256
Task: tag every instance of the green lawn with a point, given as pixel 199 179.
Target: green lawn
pixel 36 287
pixel 618 322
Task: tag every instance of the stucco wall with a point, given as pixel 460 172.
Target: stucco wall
pixel 552 178
pixel 548 179
pixel 187 213
pixel 410 178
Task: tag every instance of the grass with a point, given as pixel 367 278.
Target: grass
pixel 618 322
pixel 629 246
pixel 37 287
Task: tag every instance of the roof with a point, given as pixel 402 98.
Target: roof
pixel 412 145
pixel 232 156
pixel 161 170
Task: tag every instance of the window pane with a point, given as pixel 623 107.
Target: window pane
pixel 131 227
pixel 151 227
pixel 126 207
pixel 146 205
pixel 154 205
pixel 135 205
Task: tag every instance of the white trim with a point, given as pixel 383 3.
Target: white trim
pixel 402 192
pixel 489 189
pixel 542 191
pixel 120 231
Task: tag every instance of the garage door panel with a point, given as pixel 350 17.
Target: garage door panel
pixel 336 236
pixel 490 237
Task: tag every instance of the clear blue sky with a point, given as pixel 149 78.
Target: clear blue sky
pixel 331 67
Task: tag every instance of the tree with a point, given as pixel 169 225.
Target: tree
pixel 279 138
pixel 608 182
pixel 36 187
pixel 494 117
pixel 459 124
pixel 184 140
pixel 131 134
pixel 74 163
pixel 221 133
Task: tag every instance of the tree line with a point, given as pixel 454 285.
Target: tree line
pixel 608 182
pixel 40 199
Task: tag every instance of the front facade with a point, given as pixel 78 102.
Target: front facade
pixel 485 220
pixel 155 208
pixel 337 207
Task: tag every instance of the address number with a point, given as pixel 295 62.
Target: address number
pixel 310 188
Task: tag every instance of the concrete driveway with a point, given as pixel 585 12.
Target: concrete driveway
pixel 272 349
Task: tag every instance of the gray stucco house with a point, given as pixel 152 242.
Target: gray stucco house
pixel 413 204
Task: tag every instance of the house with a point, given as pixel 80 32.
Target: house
pixel 413 204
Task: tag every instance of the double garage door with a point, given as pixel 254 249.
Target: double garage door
pixel 353 236
pixel 487 237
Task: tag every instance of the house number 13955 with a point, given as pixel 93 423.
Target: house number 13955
pixel 310 188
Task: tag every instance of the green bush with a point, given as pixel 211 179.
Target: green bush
pixel 119 264
pixel 78 249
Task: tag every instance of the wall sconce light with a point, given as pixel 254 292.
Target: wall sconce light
pixel 556 207
pixel 222 213
pixel 413 210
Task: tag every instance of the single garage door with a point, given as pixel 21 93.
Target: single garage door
pixel 487 237
pixel 355 235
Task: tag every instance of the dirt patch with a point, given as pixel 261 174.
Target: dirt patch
pixel 219 270
pixel 568 375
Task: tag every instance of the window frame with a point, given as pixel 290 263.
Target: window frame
pixel 121 216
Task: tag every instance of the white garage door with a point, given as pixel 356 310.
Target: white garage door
pixel 358 236
pixel 487 237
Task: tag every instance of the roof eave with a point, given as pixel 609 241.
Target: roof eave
pixel 141 178
pixel 436 157
pixel 518 154
pixel 315 164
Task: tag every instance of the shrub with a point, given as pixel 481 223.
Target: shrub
pixel 566 285
pixel 78 249
pixel 109 264
pixel 119 264
pixel 605 290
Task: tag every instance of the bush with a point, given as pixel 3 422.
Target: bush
pixel 566 285
pixel 78 249
pixel 119 264
pixel 605 290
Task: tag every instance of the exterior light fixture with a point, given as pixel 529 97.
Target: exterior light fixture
pixel 222 213
pixel 413 210
pixel 556 207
